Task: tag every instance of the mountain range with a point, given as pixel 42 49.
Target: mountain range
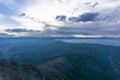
pixel 48 59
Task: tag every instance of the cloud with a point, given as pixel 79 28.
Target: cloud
pixel 85 17
pixel 94 28
pixel 61 18
pixel 2 16
pixel 22 32
pixel 18 30
pixel 91 5
pixel 88 17
pixel 73 30
pixel 110 15
pixel 8 21
pixel 6 10
pixel 5 35
pixel 12 8
pixel 29 23
pixel 23 14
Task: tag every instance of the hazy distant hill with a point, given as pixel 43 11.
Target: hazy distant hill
pixel 34 51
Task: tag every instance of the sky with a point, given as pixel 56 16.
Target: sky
pixel 60 18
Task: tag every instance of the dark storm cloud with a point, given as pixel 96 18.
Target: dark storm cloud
pixel 94 5
pixel 85 17
pixel 5 35
pixel 95 28
pixel 23 14
pixel 88 29
pixel 17 30
pixel 61 18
